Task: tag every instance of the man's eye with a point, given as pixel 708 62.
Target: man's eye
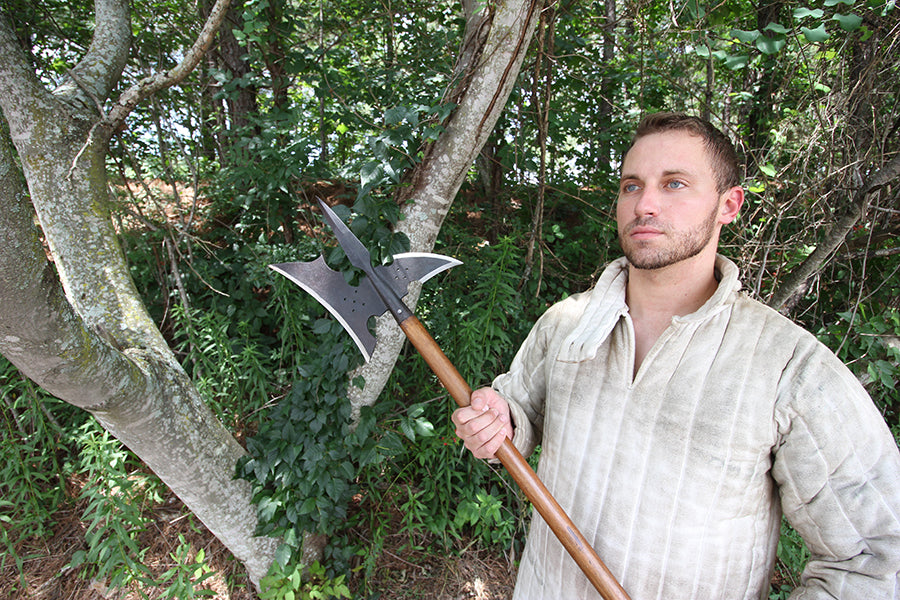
pixel 675 184
pixel 630 187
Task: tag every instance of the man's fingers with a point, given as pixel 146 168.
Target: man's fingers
pixel 467 415
pixel 484 424
pixel 484 434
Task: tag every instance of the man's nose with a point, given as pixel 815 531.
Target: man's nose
pixel 647 203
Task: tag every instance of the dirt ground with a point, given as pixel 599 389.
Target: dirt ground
pixel 400 572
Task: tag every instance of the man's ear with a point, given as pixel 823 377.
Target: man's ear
pixel 732 202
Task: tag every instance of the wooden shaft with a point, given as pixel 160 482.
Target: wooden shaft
pixel 544 502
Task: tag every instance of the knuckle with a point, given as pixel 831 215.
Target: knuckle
pixel 484 436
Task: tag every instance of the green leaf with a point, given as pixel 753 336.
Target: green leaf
pixel 777 28
pixel 321 326
pixel 849 22
pixel 768 170
pixel 802 13
pixel 308 506
pixel 836 2
pixel 745 36
pixel 370 174
pixel 369 456
pixel 283 554
pixel 735 62
pixel 815 35
pixel 407 429
pixel 768 45
pixel 424 427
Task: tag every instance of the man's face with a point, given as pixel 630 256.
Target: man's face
pixel 668 207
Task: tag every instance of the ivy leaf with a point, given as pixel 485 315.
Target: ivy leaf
pixel 777 28
pixel 735 62
pixel 815 35
pixel 768 45
pixel 802 13
pixel 283 554
pixel 836 2
pixel 849 22
pixel 744 36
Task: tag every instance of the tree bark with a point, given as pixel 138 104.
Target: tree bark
pixel 85 336
pixel 496 41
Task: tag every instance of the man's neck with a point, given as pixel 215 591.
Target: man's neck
pixel 676 290
pixel 655 296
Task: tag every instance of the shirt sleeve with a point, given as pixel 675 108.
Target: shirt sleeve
pixel 524 385
pixel 838 470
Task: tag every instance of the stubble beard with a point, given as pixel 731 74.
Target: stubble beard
pixel 681 246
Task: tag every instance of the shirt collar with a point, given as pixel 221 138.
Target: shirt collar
pixel 607 305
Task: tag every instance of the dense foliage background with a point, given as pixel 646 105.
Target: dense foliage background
pixel 214 180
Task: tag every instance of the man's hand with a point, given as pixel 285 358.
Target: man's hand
pixel 484 424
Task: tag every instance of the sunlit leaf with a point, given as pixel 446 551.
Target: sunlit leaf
pixel 777 28
pixel 735 62
pixel 768 45
pixel 802 13
pixel 849 22
pixel 815 35
pixel 745 36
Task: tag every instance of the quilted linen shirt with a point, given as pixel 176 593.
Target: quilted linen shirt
pixel 678 475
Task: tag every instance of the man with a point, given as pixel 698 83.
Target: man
pixel 679 418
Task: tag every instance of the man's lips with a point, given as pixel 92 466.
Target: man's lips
pixel 643 232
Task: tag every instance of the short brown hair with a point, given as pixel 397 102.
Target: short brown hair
pixel 721 150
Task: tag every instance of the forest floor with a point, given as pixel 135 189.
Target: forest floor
pixel 402 570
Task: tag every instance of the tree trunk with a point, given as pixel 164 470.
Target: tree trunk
pixel 90 340
pixel 496 41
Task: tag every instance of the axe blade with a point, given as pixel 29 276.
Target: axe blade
pixel 350 305
pixel 413 266
pixel 353 305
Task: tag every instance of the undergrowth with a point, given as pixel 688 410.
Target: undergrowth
pixel 32 467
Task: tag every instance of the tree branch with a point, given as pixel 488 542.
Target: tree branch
pixel 39 331
pixel 154 83
pixel 98 71
pixel 19 87
pixel 796 279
